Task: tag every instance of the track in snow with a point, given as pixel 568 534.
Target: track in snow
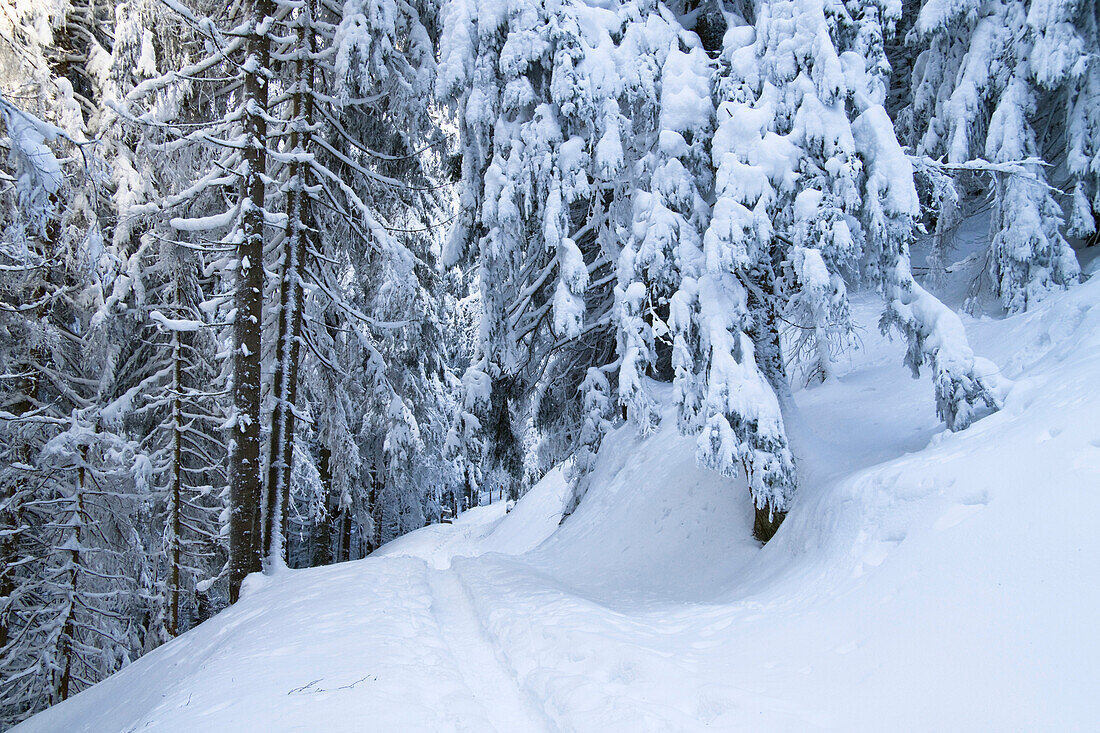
pixel 492 683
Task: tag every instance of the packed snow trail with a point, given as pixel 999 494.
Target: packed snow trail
pixel 487 677
pixel 923 581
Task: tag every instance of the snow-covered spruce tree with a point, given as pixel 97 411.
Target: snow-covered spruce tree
pixel 1082 86
pixel 249 228
pixel 724 318
pixel 173 406
pixel 666 237
pixel 293 244
pixel 61 263
pixel 222 208
pixel 460 327
pixel 74 619
pixel 811 184
pixel 1000 91
pixel 553 103
pixel 70 607
pixel 333 392
pixel 485 51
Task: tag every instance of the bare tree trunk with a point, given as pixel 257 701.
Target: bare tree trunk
pixel 174 491
pixel 245 484
pixel 322 531
pixel 378 487
pixel 10 512
pixel 468 494
pixel 766 523
pixel 769 356
pixel 345 536
pixel 765 336
pixel 68 625
pixel 299 229
pixel 8 525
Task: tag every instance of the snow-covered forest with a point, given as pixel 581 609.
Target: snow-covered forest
pixel 282 281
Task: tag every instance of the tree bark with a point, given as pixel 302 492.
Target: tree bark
pixel 68 625
pixel 345 535
pixel 766 338
pixel 769 357
pixel 322 531
pixel 174 492
pixel 299 229
pixel 766 523
pixel 245 484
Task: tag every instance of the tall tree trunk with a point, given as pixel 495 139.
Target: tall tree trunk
pixel 299 230
pixel 468 494
pixel 10 520
pixel 245 484
pixel 345 535
pixel 769 357
pixel 174 491
pixel 67 649
pixel 765 335
pixel 8 525
pixel 377 489
pixel 322 531
pixel 505 451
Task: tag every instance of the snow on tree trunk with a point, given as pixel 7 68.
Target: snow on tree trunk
pixel 299 236
pixel 246 512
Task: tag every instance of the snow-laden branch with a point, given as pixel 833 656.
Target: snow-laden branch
pixel 175 324
pixel 206 223
pixel 1024 167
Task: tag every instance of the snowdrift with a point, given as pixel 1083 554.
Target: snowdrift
pixel 923 581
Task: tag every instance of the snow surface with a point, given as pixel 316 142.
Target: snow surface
pixel 923 580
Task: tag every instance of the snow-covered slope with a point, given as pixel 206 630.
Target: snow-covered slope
pixel 923 581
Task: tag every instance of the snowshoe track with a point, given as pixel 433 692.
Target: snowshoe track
pixel 490 679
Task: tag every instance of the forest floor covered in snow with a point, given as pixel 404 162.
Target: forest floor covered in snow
pixel 923 581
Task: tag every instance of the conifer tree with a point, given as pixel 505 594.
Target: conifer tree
pixel 998 92
pixel 71 482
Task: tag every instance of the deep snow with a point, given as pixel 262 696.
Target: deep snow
pixel 923 581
